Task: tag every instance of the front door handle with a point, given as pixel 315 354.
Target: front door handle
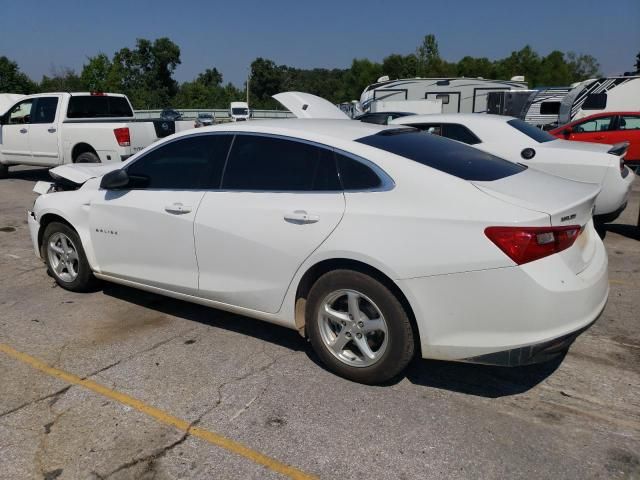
pixel 300 217
pixel 51 130
pixel 177 209
pixel 23 130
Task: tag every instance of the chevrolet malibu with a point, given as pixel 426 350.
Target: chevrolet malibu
pixel 376 243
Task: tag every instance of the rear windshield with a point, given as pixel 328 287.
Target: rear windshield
pixel 443 154
pixel 531 131
pixel 98 106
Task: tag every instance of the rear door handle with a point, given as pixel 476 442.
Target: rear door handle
pixel 23 130
pixel 177 209
pixel 300 217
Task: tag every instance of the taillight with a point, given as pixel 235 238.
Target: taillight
pixel 122 136
pixel 526 244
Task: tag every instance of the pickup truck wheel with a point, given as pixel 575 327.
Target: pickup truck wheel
pixel 87 157
pixel 65 258
pixel 4 171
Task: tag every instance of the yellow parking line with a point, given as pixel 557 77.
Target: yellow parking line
pixel 161 416
pixel 618 282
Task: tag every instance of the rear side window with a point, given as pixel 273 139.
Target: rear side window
pixel 356 175
pixel 276 164
pixel 629 122
pixel 458 132
pixel 189 163
pixel 531 131
pixel 98 106
pixel 45 110
pixel 442 154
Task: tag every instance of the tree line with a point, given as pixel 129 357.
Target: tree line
pixel 146 75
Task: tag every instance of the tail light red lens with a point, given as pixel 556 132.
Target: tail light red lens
pixel 122 136
pixel 526 244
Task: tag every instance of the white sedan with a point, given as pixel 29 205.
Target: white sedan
pixel 376 243
pixel 521 142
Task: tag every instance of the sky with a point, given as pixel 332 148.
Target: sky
pixel 41 36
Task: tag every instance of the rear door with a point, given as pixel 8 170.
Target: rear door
pixel 280 199
pixel 14 143
pixel 43 134
pixel 627 129
pixel 145 233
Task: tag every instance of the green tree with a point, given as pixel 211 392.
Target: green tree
pixel 96 74
pixel 362 73
pixel 582 66
pixel 62 79
pixel 638 62
pixel 400 66
pixel 12 80
pixel 267 79
pixel 554 70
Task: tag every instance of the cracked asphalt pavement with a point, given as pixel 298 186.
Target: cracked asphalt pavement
pixel 260 385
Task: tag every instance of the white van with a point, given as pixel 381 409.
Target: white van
pixel 239 111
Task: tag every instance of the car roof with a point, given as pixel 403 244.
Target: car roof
pixel 453 118
pixel 605 114
pixel 339 129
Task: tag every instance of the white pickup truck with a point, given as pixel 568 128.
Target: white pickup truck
pixel 52 129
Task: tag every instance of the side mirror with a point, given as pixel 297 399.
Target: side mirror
pixel 115 180
pixel 567 131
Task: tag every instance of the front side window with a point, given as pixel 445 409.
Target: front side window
pixel 531 131
pixel 595 101
pixel 21 113
pixel 189 163
pixel 601 124
pixel 266 163
pixel 432 128
pixel 458 132
pixel 549 108
pixel 45 110
pixel 629 122
pixel 453 158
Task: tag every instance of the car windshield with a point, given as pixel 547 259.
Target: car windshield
pixel 205 115
pixel 239 111
pixel 446 155
pixel 531 131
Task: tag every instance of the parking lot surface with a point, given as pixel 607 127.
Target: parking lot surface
pixel 124 384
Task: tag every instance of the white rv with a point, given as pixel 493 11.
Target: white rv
pixel 458 95
pixel 538 107
pixel 609 94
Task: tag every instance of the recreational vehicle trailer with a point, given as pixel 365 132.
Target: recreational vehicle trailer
pixel 538 107
pixel 608 94
pixel 458 95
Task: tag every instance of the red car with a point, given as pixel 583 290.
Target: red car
pixel 606 127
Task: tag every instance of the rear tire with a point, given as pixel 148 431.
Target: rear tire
pixel 4 170
pixel 65 258
pixel 87 157
pixel 358 327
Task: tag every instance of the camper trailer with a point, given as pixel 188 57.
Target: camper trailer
pixel 607 94
pixel 538 107
pixel 458 95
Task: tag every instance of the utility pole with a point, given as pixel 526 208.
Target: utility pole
pixel 248 80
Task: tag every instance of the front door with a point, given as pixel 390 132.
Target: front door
pixel 280 199
pixel 144 233
pixel 595 130
pixel 43 135
pixel 14 142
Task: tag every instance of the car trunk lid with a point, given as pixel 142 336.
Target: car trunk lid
pixel 566 202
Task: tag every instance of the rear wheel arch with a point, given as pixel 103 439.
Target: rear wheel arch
pixel 81 148
pixel 317 270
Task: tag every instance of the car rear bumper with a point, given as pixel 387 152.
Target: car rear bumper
pixel 519 313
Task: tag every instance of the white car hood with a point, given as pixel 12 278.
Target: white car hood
pixel 8 100
pixel 306 105
pixel 79 173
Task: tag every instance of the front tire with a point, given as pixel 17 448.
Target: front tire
pixel 358 327
pixel 65 258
